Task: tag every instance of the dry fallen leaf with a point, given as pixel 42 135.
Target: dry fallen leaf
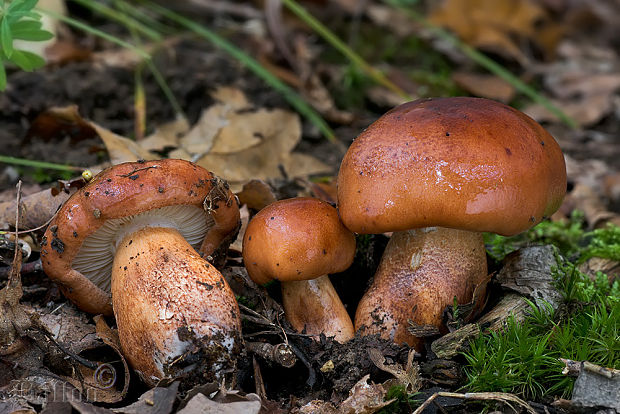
pixel 363 398
pixel 250 144
pixel 493 25
pixel 121 149
pixel 485 85
pixel 166 136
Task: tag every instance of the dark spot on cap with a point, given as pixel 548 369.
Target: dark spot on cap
pixel 57 245
pixel 124 267
pixel 160 189
pixel 249 237
pixel 542 143
pixel 134 177
pixel 109 180
pixel 508 152
pixel 532 219
pixel 75 234
pixel 324 251
pixel 272 218
pixel 447 134
pixel 86 194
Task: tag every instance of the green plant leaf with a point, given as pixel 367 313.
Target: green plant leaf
pixel 2 76
pixel 21 5
pixel 27 61
pixel 33 35
pixel 6 40
pixel 25 25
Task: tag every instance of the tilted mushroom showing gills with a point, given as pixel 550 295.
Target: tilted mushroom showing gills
pixel 129 241
pixel 299 241
pixel 438 172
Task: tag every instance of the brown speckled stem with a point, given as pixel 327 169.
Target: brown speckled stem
pixel 420 273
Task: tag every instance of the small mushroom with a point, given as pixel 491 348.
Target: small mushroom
pixel 127 243
pixel 437 173
pixel 299 241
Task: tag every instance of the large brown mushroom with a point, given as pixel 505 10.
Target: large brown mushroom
pixel 437 173
pixel 299 241
pixel 128 243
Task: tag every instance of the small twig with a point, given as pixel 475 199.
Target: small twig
pixel 311 373
pixel 129 174
pixel 482 396
pixel 27 268
pixel 281 353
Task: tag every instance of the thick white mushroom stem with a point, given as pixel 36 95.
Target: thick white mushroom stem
pixel 421 272
pixel 314 305
pixel 175 312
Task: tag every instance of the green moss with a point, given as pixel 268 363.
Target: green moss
pixel 570 237
pixel 523 358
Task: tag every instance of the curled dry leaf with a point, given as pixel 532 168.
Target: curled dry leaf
pixel 278 132
pixel 121 149
pixel 38 208
pixel 364 398
pixel 158 400
pixel 485 85
pixel 249 404
pixel 498 26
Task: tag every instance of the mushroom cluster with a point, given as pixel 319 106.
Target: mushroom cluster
pixel 438 173
pixel 132 243
pixel 299 241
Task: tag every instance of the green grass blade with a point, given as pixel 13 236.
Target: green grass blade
pixel 38 164
pixel 120 17
pixel 343 48
pixel 289 94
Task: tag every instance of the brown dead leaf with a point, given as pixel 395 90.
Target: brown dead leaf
pixel 484 85
pixel 158 400
pixel 363 398
pixel 247 404
pixel 166 136
pixel 493 25
pixel 121 149
pixel 256 194
pixel 37 208
pixel 254 144
pixel 60 121
pixel 219 129
pixel 583 83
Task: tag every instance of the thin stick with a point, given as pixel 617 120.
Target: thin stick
pixel 483 396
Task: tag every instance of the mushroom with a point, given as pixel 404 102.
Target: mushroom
pixel 299 241
pixel 438 173
pixel 127 242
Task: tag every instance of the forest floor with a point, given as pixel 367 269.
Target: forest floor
pixel 96 104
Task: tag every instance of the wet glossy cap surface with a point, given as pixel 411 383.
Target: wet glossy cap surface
pixel 296 239
pixel 465 163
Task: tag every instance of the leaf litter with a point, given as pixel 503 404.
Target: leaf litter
pixel 240 132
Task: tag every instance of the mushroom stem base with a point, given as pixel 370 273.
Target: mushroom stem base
pixel 176 314
pixel 314 305
pixel 421 272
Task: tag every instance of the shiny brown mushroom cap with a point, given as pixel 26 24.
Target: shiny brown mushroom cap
pixel 296 239
pixel 465 163
pixel 177 191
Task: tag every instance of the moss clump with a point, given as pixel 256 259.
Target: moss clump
pixel 523 358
